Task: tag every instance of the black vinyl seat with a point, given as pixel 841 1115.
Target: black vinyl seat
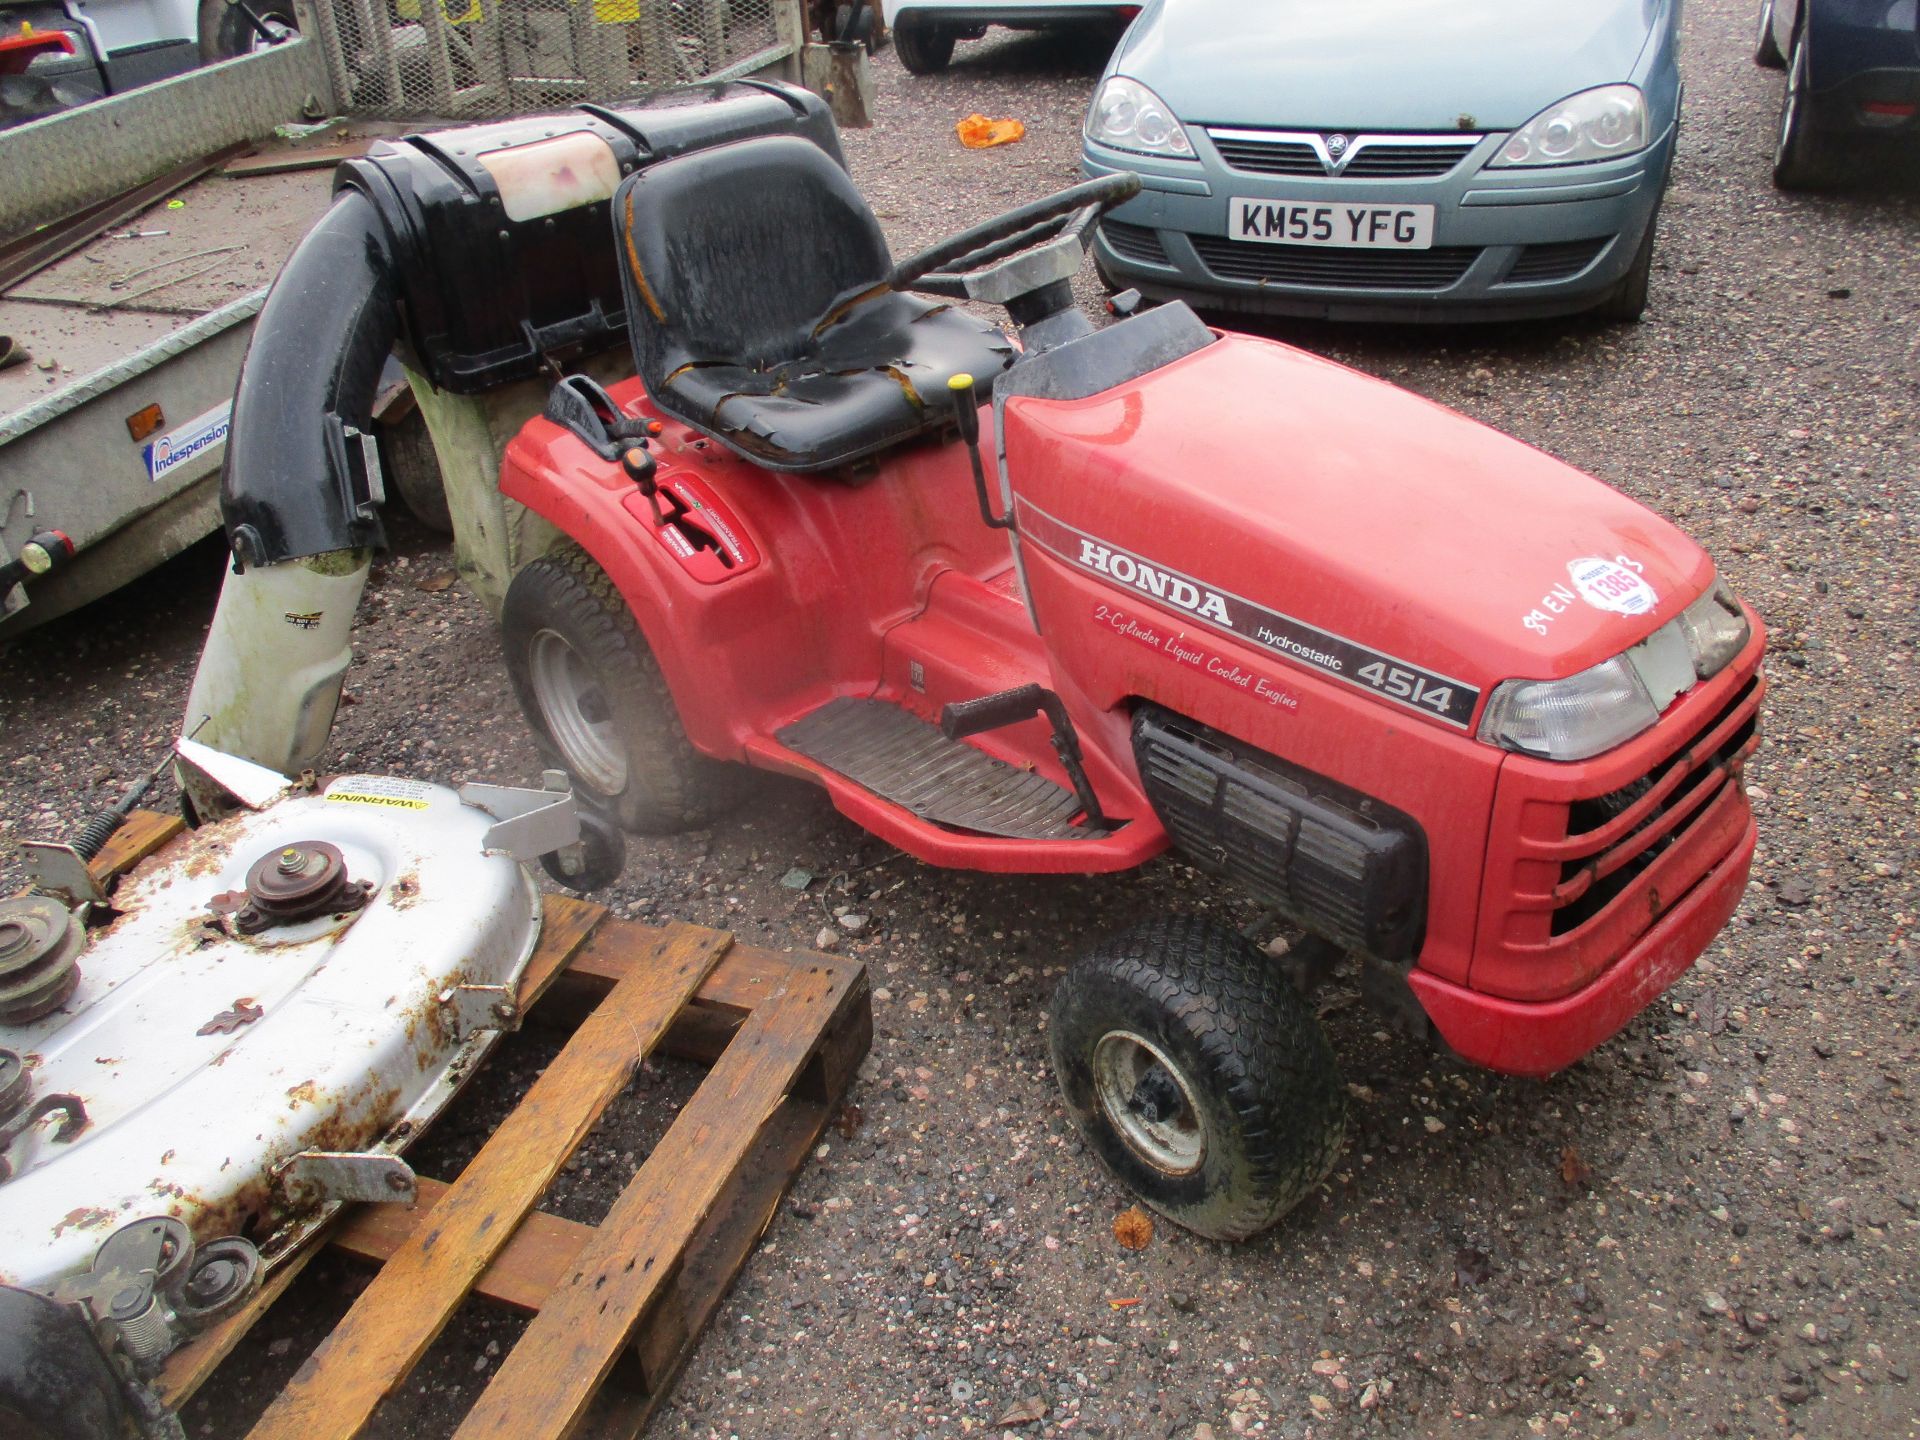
pixel 755 280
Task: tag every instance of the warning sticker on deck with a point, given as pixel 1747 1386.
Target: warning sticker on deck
pixel 382 790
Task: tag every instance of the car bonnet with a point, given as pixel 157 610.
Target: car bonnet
pixel 1382 65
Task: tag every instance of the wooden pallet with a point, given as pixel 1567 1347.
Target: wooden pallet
pixel 616 1306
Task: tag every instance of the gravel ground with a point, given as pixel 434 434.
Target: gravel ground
pixel 1708 1227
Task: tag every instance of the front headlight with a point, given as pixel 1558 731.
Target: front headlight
pixel 1573 718
pixel 1128 116
pixel 1716 629
pixel 1600 124
pixel 1597 709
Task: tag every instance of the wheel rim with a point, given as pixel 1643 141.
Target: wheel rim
pixel 577 713
pixel 282 30
pixel 1790 108
pixel 1149 1102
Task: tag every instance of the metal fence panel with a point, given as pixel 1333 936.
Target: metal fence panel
pixel 474 59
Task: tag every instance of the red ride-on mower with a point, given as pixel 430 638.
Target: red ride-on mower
pixel 1472 719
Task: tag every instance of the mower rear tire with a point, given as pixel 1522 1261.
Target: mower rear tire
pixel 413 466
pixel 596 700
pixel 925 47
pixel 1199 1075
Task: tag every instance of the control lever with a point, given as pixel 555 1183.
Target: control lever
pixel 966 413
pixel 1010 707
pixel 582 405
pixel 637 460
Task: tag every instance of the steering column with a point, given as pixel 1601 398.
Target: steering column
pixel 1024 260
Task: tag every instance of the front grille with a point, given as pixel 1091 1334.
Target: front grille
pixel 1134 242
pixel 1382 159
pixel 1613 838
pixel 1270 157
pixel 1561 260
pixel 1339 863
pixel 1405 162
pixel 1433 269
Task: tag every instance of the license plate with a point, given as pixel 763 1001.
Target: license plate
pixel 1340 226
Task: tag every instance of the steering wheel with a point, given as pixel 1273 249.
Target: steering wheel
pixel 1020 229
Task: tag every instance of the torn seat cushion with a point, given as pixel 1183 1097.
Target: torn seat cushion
pixel 754 277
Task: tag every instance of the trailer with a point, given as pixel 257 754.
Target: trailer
pixel 139 234
pixel 114 421
pixel 120 334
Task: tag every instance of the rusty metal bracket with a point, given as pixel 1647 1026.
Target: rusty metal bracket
pixel 56 869
pixel 342 1175
pixel 481 1007
pixel 72 1110
pixel 218 783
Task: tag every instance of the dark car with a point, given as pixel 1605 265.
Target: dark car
pixel 1853 84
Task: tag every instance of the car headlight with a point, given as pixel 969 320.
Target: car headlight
pixel 1716 629
pixel 1570 719
pixel 1128 116
pixel 1599 124
pixel 1584 714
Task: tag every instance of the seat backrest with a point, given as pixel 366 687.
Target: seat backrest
pixel 733 255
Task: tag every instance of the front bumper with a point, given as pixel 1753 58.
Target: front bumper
pixel 1874 103
pixel 1605 879
pixel 1518 1038
pixel 1506 244
pixel 1017 15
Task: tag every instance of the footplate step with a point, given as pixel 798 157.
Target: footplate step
pixel 905 759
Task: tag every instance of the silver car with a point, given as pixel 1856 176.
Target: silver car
pixel 1392 160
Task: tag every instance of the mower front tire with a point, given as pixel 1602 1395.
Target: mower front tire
pixel 599 708
pixel 1199 1075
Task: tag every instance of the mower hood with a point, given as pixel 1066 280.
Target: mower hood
pixel 1338 521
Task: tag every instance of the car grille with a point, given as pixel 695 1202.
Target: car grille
pixel 1561 260
pixel 1373 159
pixel 1405 162
pixel 1433 269
pixel 1612 838
pixel 1270 157
pixel 1134 242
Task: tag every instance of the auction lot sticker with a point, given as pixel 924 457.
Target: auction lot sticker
pixel 1612 585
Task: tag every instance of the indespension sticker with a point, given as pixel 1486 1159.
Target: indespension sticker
pixel 1322 651
pixel 199 436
